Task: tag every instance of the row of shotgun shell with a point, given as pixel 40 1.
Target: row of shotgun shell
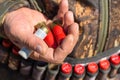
pixel 66 71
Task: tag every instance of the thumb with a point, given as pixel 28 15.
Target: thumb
pixel 34 42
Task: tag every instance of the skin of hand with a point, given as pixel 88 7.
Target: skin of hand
pixel 19 28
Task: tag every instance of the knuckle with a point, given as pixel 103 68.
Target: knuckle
pixel 69 13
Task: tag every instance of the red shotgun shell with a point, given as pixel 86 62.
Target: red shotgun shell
pixel 66 68
pixel 104 64
pixel 115 59
pixel 15 50
pixel 79 69
pixel 58 33
pixel 6 43
pixel 92 67
pixel 50 41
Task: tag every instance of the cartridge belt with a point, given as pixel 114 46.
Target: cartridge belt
pixel 97 58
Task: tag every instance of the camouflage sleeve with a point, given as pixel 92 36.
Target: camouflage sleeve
pixel 7 6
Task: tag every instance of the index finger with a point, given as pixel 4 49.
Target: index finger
pixel 63 8
pixel 67 45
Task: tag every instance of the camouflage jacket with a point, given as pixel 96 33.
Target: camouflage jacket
pixel 98 20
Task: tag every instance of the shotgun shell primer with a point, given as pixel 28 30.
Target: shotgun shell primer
pixel 41 33
pixel 78 72
pixel 65 71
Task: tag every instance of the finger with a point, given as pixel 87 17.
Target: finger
pixel 36 44
pixel 64 49
pixel 68 43
pixel 63 8
pixel 59 54
pixel 47 57
pixel 74 30
pixel 68 20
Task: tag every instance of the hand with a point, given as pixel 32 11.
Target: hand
pixel 19 28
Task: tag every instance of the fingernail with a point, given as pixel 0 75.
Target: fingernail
pixel 38 48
